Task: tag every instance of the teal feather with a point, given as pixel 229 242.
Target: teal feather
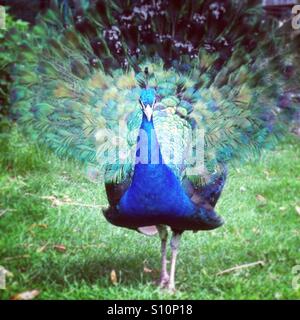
pixel 72 84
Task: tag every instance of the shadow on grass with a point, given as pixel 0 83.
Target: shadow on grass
pixel 97 269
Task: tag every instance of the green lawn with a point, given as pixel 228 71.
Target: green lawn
pixel 54 238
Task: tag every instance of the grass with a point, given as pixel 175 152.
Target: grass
pixel 68 251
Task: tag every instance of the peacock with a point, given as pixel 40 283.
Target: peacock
pixel 156 99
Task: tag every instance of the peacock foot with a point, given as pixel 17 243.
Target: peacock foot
pixel 164 281
pixel 171 288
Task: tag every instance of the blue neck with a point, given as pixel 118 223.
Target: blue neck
pixel 148 149
pixel 155 191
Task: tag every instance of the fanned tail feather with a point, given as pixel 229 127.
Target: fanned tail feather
pixel 217 67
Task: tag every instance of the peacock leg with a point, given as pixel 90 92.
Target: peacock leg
pixel 164 276
pixel 174 247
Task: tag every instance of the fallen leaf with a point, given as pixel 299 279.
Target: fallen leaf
pixel 42 225
pixel 42 248
pixel 39 225
pixel 27 295
pixel 113 277
pixel 59 247
pixel 297 209
pixel 147 270
pixel 261 199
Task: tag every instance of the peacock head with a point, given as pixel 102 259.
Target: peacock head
pixel 147 101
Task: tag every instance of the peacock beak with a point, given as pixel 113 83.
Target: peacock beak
pixel 148 112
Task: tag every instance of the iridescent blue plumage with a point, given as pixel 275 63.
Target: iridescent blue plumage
pixel 156 195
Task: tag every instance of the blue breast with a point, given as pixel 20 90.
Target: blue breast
pixel 155 195
pixel 155 192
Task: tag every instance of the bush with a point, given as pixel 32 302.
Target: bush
pixel 10 40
